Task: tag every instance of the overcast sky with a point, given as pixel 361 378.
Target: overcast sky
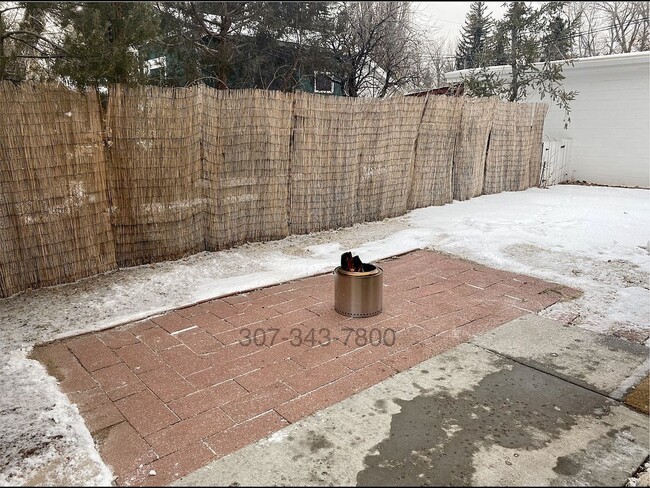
pixel 450 16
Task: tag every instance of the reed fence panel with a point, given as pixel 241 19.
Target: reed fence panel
pixel 536 138
pixel 155 168
pixel 386 132
pixel 325 161
pixel 508 158
pixel 246 136
pixel 54 214
pixel 471 147
pixel 431 183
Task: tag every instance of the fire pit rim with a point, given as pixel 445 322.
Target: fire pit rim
pixel 359 274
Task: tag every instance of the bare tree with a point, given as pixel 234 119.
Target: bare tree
pixel 377 48
pixel 610 27
pixel 439 60
pixel 626 23
pixel 585 17
pixel 643 38
pixel 28 39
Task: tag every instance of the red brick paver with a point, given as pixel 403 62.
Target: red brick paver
pixel 169 394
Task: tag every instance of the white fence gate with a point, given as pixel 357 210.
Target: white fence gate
pixel 555 161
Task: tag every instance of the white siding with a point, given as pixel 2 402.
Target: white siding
pixel 610 119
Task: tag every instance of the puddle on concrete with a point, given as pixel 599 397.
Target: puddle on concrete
pixel 434 437
pixel 566 466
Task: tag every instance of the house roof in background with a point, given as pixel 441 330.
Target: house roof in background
pixel 592 62
pixel 455 90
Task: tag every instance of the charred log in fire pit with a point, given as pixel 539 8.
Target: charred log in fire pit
pixel 349 263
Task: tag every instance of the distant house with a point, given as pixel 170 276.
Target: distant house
pixel 374 80
pixel 162 66
pixel 323 82
pixel 165 68
pixel 606 141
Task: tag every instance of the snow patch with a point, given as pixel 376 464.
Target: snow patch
pixel 45 441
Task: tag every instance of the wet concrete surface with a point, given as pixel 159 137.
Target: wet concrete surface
pixel 433 436
pixel 468 417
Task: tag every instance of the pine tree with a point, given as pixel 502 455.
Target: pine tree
pixel 520 41
pixel 474 36
pixel 557 41
pixel 103 40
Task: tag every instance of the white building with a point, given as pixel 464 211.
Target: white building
pixel 607 140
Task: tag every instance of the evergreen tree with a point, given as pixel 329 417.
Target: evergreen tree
pixel 26 46
pixel 523 37
pixel 497 47
pixel 269 45
pixel 557 41
pixel 103 40
pixel 474 36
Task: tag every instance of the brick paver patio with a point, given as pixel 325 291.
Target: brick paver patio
pixel 171 393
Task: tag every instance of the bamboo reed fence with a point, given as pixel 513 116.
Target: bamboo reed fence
pixel 432 183
pixel 471 147
pixel 536 135
pixel 167 172
pixel 54 208
pixel 246 163
pixel 155 171
pixel 325 164
pixel 507 165
pixel 351 161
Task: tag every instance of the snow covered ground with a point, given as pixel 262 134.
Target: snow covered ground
pixel 596 239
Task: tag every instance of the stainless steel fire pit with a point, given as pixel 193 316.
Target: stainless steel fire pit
pixel 358 293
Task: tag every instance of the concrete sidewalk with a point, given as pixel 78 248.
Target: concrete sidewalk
pixel 531 402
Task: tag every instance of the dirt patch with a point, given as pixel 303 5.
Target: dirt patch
pixel 585 183
pixel 638 398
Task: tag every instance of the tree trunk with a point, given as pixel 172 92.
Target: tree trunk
pixel 514 83
pixel 384 88
pixel 352 87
